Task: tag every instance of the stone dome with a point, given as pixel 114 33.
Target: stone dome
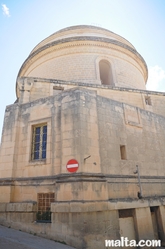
pixel 82 31
pixel 87 54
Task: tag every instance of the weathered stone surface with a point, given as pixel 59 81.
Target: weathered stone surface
pixel 90 92
pixel 2 207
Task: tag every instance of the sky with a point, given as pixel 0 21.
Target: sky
pixel 23 24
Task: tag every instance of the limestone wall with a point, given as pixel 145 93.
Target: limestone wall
pixel 41 88
pixel 85 225
pixel 82 124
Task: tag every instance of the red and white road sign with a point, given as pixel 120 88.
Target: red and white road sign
pixel 72 165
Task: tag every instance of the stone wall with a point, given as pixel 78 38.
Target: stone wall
pixel 91 128
pixel 82 124
pixel 41 88
pixel 84 225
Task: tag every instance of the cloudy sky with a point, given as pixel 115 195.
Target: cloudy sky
pixel 23 24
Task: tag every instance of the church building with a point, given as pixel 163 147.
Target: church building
pixel 82 157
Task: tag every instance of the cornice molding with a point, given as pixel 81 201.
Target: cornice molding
pixel 81 177
pixel 80 28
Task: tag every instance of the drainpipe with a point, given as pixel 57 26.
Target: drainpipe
pixel 139 182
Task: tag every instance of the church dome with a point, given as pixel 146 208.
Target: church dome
pixel 87 54
pixel 82 31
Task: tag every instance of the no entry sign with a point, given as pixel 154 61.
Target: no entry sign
pixel 72 165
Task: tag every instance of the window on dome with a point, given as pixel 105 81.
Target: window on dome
pixel 105 72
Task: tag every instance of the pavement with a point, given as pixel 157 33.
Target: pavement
pixel 14 239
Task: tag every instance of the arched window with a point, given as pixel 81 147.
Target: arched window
pixel 105 72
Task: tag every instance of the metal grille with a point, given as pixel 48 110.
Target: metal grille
pixel 39 140
pixel 44 203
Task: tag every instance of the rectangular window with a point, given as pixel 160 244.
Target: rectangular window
pixel 44 205
pixel 39 140
pixel 124 213
pixel 123 152
pixel 57 89
pixel 148 100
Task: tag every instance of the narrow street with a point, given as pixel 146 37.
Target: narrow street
pixel 14 239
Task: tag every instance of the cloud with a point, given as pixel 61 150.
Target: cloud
pixel 5 10
pixel 156 78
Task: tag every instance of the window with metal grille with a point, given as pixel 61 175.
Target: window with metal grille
pixel 39 140
pixel 44 204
